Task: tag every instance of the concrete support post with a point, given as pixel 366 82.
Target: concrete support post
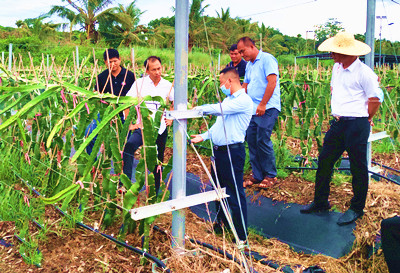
pixel 180 128
pixel 370 58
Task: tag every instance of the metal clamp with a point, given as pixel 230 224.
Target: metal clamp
pixel 184 114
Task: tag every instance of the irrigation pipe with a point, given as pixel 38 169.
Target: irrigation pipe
pixel 23 241
pixel 220 251
pixel 386 167
pixel 347 158
pixel 343 169
pixel 109 237
pixel 23 254
pixel 255 255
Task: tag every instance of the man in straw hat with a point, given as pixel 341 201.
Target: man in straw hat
pixel 355 100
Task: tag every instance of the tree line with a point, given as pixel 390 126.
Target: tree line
pixel 95 22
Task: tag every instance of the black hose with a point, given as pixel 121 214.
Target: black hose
pixel 158 262
pixel 386 167
pixel 253 254
pixel 344 169
pixel 25 242
pixel 262 260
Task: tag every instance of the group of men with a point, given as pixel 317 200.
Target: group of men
pixel 121 82
pixel 249 113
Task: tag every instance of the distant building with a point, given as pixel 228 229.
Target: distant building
pixel 385 59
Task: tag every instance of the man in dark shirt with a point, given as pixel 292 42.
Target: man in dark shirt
pixel 121 81
pixel 121 78
pixel 237 61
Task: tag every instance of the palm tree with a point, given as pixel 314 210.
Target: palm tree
pixel 196 24
pixel 66 13
pixel 163 35
pixel 121 23
pixel 35 26
pixel 225 15
pixel 274 44
pixel 90 11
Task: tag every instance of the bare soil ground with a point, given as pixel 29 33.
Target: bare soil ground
pixel 78 250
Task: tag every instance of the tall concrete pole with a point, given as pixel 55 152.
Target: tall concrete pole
pixel 180 128
pixel 370 57
pixel 370 33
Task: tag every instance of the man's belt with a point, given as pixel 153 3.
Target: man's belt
pixel 225 147
pixel 346 118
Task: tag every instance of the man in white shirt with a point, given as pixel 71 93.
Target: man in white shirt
pixel 356 97
pixel 154 85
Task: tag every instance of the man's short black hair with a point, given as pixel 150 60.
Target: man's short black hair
pixel 246 40
pixel 231 70
pixel 112 53
pixel 151 59
pixel 233 47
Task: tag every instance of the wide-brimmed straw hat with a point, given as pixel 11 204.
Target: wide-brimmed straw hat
pixel 345 43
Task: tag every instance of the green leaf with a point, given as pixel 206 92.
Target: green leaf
pixel 22 88
pixel 11 105
pixel 104 122
pixel 72 189
pixel 46 94
pixel 126 181
pixel 60 123
pixel 203 88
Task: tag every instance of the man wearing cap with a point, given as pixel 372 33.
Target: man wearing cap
pixel 237 62
pixel 237 110
pixel 356 97
pixel 261 82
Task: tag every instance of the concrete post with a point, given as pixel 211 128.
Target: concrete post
pixel 180 128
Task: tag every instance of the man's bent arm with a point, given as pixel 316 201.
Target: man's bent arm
pixel 373 106
pixel 269 90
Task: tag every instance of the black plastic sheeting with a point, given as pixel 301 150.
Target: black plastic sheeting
pixel 5 243
pixel 308 233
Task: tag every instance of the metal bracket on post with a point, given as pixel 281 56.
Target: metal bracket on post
pixel 176 204
pixel 373 137
pixel 377 136
pixel 186 114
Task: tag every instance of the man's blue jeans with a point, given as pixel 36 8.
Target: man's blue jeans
pixel 133 143
pixel 91 128
pixel 261 149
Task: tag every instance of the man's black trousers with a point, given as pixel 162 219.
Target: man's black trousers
pixel 351 135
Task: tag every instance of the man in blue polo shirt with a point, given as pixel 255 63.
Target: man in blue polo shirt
pixel 229 132
pixel 262 85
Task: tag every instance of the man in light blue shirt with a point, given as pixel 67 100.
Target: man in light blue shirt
pixel 261 82
pixel 237 110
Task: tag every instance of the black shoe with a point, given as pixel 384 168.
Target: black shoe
pixel 349 217
pixel 313 207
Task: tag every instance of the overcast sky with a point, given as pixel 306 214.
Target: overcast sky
pixel 291 17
